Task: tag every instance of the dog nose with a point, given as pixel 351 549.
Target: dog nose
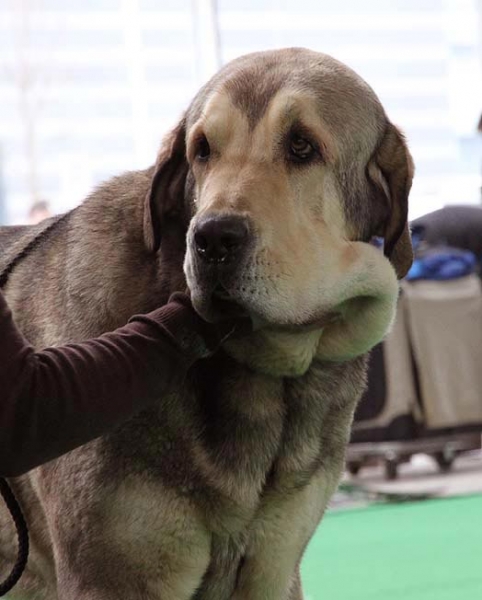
pixel 220 239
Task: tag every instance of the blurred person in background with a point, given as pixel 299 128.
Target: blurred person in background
pixel 39 211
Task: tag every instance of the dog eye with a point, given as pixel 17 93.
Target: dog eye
pixel 203 151
pixel 300 149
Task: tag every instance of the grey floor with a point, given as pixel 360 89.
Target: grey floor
pixel 418 478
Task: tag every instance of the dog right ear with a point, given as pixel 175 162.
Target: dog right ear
pixel 391 171
pixel 166 194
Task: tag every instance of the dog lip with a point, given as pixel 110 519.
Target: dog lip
pixel 222 303
pixel 306 326
pixel 320 322
pixel 222 293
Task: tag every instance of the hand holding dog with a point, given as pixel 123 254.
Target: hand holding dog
pixel 60 398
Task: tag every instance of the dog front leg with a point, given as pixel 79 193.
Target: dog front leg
pixel 296 590
pixel 282 529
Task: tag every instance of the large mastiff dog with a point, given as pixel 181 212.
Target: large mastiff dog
pixel 263 200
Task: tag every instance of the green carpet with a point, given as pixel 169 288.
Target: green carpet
pixel 418 551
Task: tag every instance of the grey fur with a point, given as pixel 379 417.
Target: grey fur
pixel 133 514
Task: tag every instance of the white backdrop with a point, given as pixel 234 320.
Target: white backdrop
pixel 88 87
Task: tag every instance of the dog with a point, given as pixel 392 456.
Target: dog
pixel 263 201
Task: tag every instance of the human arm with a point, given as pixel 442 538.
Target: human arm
pixel 60 398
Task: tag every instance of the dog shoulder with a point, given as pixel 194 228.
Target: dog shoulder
pixel 121 197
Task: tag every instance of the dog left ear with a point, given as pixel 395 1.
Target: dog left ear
pixel 166 194
pixel 391 170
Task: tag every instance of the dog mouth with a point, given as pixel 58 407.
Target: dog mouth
pixel 223 304
pixel 312 324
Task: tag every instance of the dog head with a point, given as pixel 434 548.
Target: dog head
pixel 288 166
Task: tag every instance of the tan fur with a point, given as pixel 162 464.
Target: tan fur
pixel 214 494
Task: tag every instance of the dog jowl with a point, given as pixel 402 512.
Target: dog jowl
pixel 263 201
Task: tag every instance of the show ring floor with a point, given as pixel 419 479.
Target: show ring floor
pixel 429 550
pixel 368 549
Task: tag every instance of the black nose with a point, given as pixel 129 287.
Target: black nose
pixel 220 239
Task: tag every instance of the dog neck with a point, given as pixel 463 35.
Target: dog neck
pixel 276 353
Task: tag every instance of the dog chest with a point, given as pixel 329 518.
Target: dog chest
pixel 227 455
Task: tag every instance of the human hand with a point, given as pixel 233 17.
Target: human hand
pixel 213 334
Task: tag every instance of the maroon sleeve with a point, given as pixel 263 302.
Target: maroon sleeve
pixel 60 398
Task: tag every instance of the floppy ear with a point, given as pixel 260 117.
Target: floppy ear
pixel 166 194
pixel 391 170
